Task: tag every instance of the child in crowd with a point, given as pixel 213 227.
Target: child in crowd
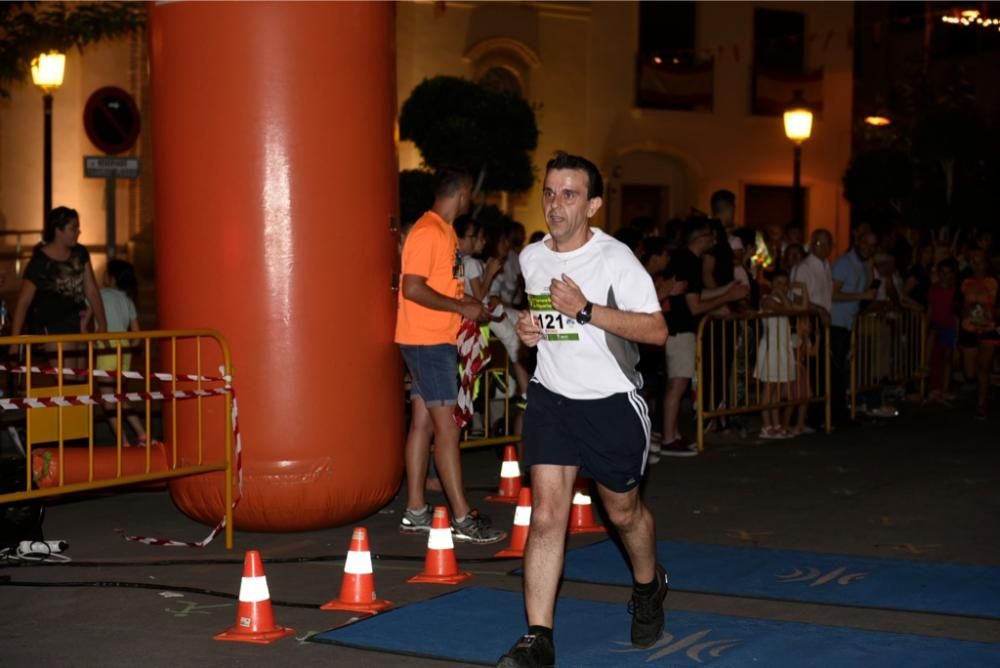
pixel 804 349
pixel 943 328
pixel 978 335
pixel 775 355
pixel 118 296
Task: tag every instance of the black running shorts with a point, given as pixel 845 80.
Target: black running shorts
pixel 607 438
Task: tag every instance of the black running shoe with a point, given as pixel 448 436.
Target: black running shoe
pixel 531 651
pixel 647 612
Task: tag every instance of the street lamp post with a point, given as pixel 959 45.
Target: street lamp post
pixel 47 73
pixel 798 127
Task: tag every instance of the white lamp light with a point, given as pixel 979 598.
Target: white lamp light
pixel 47 70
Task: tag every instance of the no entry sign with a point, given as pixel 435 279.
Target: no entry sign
pixel 111 120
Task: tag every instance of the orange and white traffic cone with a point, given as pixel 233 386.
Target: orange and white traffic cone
pixel 510 477
pixel 357 590
pixel 522 522
pixel 440 565
pixel 581 516
pixel 254 617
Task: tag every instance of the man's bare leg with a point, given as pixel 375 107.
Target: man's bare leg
pixel 418 445
pixel 447 458
pixel 635 525
pixel 552 495
pixel 672 408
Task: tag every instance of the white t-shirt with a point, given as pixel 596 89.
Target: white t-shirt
pixel 583 361
pixel 506 283
pixel 119 309
pixel 472 268
pixel 816 275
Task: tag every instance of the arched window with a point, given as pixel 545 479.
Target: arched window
pixel 503 64
pixel 502 80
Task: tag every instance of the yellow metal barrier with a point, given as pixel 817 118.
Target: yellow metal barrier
pixel 53 357
pixel 887 347
pixel 497 374
pixel 759 362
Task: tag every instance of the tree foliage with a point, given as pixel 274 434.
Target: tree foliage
pixel 416 193
pixel 30 28
pixel 937 166
pixel 460 124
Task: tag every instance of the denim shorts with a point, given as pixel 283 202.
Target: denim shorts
pixel 433 373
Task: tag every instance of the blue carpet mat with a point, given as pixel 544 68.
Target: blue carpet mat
pixel 892 584
pixel 478 625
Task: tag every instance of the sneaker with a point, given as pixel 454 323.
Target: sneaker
pixel 647 612
pixel 475 528
pixel 679 448
pixel 531 651
pixel 414 523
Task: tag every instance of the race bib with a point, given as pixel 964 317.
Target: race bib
pixel 554 325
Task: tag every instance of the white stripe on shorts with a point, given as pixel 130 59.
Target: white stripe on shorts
pixel 639 404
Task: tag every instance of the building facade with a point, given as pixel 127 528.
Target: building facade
pixel 668 122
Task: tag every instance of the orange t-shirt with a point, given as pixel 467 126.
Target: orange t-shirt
pixel 431 251
pixel 980 297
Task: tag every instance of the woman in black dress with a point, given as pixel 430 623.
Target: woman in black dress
pixel 58 291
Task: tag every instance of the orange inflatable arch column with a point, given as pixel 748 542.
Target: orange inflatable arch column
pixel 276 176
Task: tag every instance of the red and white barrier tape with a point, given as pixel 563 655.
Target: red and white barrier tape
pixel 237 464
pixel 17 403
pixel 101 373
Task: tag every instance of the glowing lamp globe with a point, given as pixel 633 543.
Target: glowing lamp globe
pixel 47 70
pixel 798 119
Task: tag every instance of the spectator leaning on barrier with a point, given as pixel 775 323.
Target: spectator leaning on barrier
pixel 979 335
pixel 815 273
pixel 431 305
pixel 686 309
pixel 851 285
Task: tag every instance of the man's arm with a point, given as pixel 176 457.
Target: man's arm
pixel 698 303
pixel 415 289
pixel 568 299
pixel 840 296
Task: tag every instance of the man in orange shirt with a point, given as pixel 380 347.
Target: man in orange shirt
pixel 431 306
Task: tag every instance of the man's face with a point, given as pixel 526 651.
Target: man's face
pixel 465 197
pixel 725 214
pixel 860 232
pixel 866 246
pixel 566 206
pixel 820 246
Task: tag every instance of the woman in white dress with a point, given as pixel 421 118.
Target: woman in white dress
pixel 776 365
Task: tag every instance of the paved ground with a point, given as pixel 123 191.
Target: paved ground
pixel 921 486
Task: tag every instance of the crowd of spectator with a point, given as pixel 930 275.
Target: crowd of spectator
pixel 705 266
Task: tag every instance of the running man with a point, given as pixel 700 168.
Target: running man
pixel 590 303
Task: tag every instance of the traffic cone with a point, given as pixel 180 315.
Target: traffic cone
pixel 581 517
pixel 510 478
pixel 254 617
pixel 357 590
pixel 522 521
pixel 440 565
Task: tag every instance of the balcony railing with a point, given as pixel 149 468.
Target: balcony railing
pixel 772 90
pixel 663 82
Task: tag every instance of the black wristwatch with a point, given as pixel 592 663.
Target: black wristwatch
pixel 585 314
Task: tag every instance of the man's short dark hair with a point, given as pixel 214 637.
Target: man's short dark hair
pixel 595 184
pixel 696 225
pixel 448 180
pixel 464 223
pixel 722 198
